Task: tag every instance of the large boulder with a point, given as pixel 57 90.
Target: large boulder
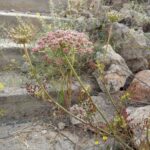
pixel 116 70
pixel 131 45
pixel 140 87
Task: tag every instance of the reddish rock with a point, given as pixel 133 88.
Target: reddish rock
pixel 140 86
pixel 137 120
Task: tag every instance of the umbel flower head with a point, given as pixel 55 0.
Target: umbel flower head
pixel 68 41
pixel 22 34
pixel 114 16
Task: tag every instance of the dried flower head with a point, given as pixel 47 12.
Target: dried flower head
pixel 113 16
pixel 78 111
pixel 22 34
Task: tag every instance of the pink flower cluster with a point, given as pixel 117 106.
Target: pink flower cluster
pixel 65 40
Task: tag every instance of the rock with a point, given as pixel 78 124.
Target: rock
pixel 23 136
pixel 138 121
pixel 140 86
pixel 148 10
pixel 146 27
pixel 61 125
pixel 104 105
pixel 118 3
pixel 116 77
pixel 116 74
pixel 131 45
pixel 74 121
pixel 63 144
pixel 25 67
pixel 141 65
pixel 87 14
pixel 138 18
pixel 92 23
pixel 44 131
pixel 126 21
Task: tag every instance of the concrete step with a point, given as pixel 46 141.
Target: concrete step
pixel 15 102
pixel 9 20
pixel 43 6
pixel 10 55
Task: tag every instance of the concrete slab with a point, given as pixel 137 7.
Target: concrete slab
pixel 42 6
pixel 21 5
pixel 10 54
pixel 14 99
pixel 17 103
pixel 41 136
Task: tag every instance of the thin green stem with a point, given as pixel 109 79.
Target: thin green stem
pixel 85 90
pixel 147 135
pixel 111 99
pixel 27 55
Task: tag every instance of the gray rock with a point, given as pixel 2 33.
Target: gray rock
pixel 148 10
pixel 103 104
pixel 61 125
pixel 87 14
pixel 138 18
pixel 25 67
pixel 131 45
pixel 138 64
pixel 87 24
pixel 74 121
pixel 63 145
pixel 116 74
pixel 29 136
pixel 118 3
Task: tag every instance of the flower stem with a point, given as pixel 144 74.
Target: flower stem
pixel 50 99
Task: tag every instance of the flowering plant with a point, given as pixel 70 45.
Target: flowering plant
pixel 59 50
pixel 60 43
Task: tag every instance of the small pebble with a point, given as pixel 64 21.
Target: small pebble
pixel 44 131
pixel 61 125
